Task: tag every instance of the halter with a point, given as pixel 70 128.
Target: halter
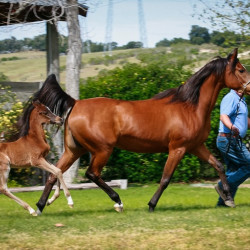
pixel 243 84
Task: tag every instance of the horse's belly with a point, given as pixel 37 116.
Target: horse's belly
pixel 141 145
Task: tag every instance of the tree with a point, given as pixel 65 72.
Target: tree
pixel 228 39
pixel 163 43
pixel 199 35
pixel 73 65
pixel 217 38
pixel 226 14
pixel 134 45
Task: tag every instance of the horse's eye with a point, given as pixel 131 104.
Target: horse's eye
pixel 242 70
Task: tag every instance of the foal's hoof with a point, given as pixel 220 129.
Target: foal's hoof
pixel 33 213
pixel 49 202
pixel 118 207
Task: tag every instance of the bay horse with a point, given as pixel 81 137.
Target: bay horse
pixel 30 149
pixel 176 121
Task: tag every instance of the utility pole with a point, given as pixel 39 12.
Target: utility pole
pixel 142 25
pixel 109 24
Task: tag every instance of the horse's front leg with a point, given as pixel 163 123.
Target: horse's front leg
pixel 64 163
pixel 204 154
pixel 174 157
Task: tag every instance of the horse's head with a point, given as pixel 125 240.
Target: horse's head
pixel 236 75
pixel 45 114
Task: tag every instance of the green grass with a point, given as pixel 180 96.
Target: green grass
pixel 185 218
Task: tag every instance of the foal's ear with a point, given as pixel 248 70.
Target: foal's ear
pixel 36 103
pixel 232 57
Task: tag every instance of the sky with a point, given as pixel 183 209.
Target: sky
pixel 163 19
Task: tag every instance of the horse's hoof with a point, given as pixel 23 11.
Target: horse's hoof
pixel 71 205
pixel 151 209
pixel 38 212
pixel 118 207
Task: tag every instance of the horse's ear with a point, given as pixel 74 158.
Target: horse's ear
pixel 232 57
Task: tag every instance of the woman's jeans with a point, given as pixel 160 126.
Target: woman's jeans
pixel 237 159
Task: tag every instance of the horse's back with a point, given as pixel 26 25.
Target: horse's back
pixel 141 126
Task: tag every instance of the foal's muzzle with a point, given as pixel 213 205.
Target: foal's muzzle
pixel 58 121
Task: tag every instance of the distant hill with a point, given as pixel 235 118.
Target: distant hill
pixel 30 66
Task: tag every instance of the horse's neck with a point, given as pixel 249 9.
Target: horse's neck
pixel 208 95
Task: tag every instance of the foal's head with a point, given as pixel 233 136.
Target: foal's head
pixel 45 115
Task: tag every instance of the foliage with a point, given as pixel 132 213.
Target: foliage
pixel 3 77
pixel 228 39
pixel 235 14
pixel 199 35
pixel 10 109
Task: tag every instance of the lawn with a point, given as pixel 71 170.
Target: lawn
pixel 185 218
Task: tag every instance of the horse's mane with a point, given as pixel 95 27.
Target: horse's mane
pixel 190 90
pixel 52 95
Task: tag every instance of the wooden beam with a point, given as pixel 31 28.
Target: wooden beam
pixel 52 44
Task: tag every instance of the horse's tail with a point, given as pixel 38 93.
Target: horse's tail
pixel 52 95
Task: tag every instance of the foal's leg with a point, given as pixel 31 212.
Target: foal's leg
pixel 58 173
pixel 204 154
pixel 4 173
pixel 173 160
pixel 56 193
pixel 98 161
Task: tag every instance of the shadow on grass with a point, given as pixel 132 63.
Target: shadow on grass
pixel 159 209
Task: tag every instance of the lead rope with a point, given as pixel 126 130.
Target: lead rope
pixel 231 130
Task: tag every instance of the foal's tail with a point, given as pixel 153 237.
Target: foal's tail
pixel 52 95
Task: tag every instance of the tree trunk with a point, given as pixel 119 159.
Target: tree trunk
pixel 73 65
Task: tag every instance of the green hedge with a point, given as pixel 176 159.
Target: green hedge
pixel 134 82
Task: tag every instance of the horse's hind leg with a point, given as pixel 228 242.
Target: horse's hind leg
pixel 4 173
pixel 204 154
pixel 98 161
pixel 173 160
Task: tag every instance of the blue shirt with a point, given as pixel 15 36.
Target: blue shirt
pixel 228 107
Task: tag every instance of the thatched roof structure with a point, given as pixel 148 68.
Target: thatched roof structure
pixel 17 11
